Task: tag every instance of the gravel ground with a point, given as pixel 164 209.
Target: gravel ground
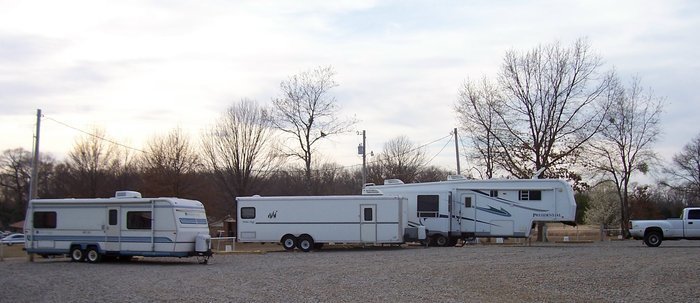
pixel 619 271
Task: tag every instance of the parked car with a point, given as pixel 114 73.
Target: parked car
pixel 13 239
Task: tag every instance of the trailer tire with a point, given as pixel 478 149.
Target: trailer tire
pixel 653 238
pixel 77 254
pixel 92 255
pixel 440 240
pixel 305 243
pixel 289 242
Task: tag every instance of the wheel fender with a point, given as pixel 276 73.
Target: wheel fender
pixel 84 246
pixel 654 229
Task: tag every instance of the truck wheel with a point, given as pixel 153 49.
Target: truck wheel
pixel 653 239
pixel 306 243
pixel 93 256
pixel 289 242
pixel 76 254
pixel 440 240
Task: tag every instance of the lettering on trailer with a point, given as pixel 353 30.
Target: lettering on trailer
pixel 547 215
pixel 272 215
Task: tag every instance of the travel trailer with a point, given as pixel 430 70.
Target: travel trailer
pixel 310 222
pixel 460 209
pixel 124 226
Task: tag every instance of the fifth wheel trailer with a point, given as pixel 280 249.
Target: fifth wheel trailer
pixel 124 226
pixel 308 222
pixel 459 208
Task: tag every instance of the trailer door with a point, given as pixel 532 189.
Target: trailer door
pixel 113 229
pixel 368 223
pixel 467 203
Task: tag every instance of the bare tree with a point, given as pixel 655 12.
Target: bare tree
pixel 238 149
pixel 307 113
pixel 15 171
pixel 477 109
pixel 553 97
pixel 623 145
pixel 91 163
pixel 400 159
pixel 553 104
pixel 685 172
pixel 169 163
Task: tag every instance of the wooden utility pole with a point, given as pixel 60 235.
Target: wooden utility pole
pixel 459 171
pixel 33 186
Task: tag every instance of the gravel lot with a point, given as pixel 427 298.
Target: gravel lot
pixel 598 272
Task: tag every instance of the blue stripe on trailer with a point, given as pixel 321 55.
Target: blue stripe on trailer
pixel 193 221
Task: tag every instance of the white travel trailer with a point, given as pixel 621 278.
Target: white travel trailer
pixel 124 226
pixel 311 221
pixel 459 208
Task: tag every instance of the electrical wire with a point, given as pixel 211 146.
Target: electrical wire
pixel 288 171
pixel 93 135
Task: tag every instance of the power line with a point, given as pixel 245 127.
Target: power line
pixel 443 148
pixel 288 171
pixel 93 135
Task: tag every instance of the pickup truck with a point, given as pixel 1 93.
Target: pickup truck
pixel 655 231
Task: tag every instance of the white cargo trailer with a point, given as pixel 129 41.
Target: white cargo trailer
pixel 460 208
pixel 311 221
pixel 124 226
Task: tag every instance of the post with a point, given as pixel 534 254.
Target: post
pixel 33 186
pixel 459 171
pixel 364 158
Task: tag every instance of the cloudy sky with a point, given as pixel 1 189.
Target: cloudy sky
pixel 141 68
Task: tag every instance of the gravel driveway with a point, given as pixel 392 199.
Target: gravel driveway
pixel 598 272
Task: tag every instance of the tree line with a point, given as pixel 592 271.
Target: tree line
pixel 551 111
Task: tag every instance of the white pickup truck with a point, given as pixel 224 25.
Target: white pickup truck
pixel 655 231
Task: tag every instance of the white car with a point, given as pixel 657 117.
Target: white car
pixel 13 239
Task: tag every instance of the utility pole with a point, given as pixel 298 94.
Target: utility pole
pixel 362 150
pixel 33 186
pixel 459 171
pixel 364 158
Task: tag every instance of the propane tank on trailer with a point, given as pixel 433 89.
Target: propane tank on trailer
pixel 202 244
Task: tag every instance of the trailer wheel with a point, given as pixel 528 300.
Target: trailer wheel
pixel 306 243
pixel 76 254
pixel 289 242
pixel 93 256
pixel 653 238
pixel 440 240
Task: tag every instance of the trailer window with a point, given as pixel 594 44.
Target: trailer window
pixel 44 219
pixel 531 195
pixel 368 214
pixel 247 212
pixel 467 201
pixel 112 217
pixel 428 205
pixel 138 220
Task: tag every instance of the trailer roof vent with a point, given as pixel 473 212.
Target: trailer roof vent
pixel 123 194
pixel 392 181
pixel 456 177
pixel 371 192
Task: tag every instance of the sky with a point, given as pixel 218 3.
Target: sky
pixel 138 69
